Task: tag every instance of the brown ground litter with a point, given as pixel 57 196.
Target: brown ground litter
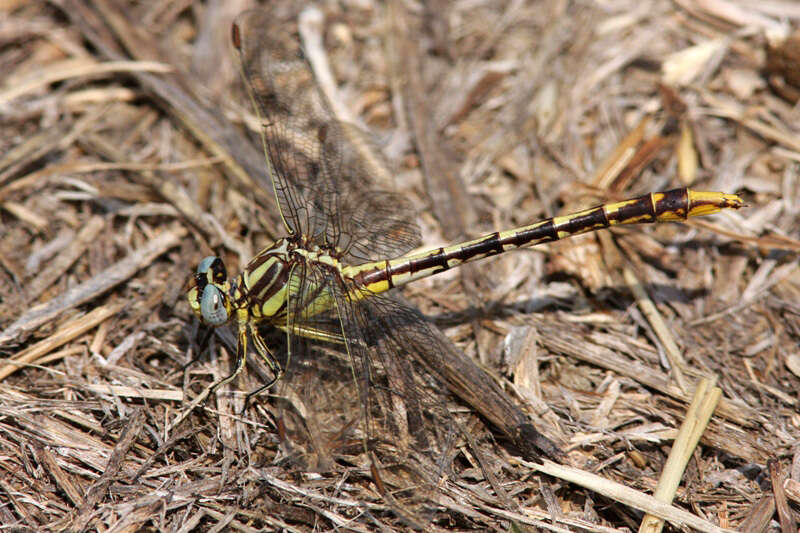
pixel 663 360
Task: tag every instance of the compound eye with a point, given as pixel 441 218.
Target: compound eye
pixel 205 264
pixel 212 306
pixel 215 267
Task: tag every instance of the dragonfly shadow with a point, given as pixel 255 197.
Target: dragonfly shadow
pixel 613 298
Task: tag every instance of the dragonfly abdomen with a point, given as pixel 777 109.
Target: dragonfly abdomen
pixel 677 204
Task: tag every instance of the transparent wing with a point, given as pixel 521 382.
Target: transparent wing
pixel 364 390
pixel 324 189
pixel 318 408
pixel 398 341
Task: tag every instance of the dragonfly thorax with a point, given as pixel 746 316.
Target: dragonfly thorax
pixel 215 299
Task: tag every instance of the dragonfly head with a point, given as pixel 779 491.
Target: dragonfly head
pixel 209 295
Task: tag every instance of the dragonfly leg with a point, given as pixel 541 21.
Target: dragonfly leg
pixel 201 347
pixel 273 364
pixel 241 353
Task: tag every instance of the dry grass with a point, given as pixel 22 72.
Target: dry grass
pixel 124 160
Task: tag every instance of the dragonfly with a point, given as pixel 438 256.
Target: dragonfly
pixel 347 244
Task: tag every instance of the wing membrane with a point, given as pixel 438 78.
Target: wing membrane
pixel 325 192
pixel 367 392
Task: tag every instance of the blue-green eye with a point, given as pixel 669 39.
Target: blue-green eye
pixel 213 270
pixel 212 306
pixel 205 264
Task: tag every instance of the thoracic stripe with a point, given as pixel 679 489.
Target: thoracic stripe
pixel 266 276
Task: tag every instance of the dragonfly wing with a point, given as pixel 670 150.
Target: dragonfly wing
pixel 327 189
pixel 316 407
pixel 406 409
pixel 363 395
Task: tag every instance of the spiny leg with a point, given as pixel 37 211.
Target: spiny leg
pixel 201 345
pixel 203 396
pixel 241 357
pixel 273 364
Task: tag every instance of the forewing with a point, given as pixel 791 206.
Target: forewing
pixel 325 173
